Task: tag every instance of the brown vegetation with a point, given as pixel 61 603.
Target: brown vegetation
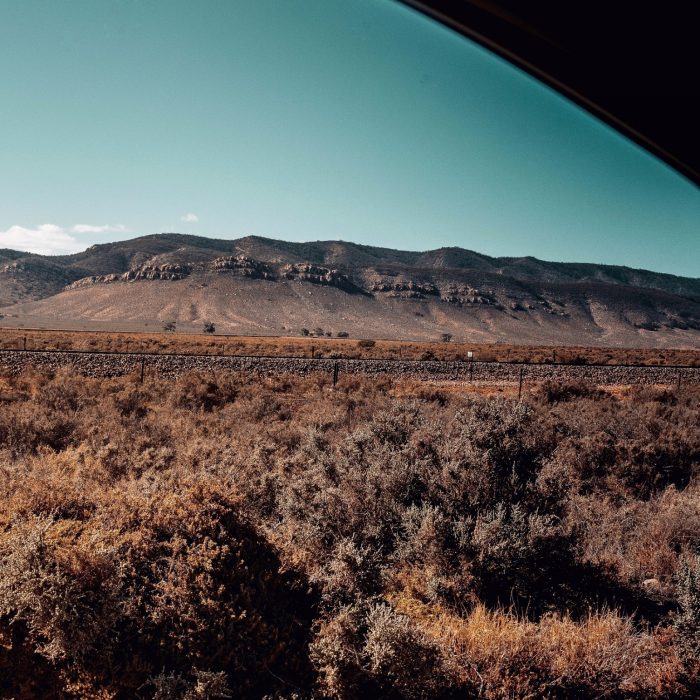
pixel 306 346
pixel 222 536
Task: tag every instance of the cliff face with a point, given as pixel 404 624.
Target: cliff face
pixel 145 272
pixel 239 264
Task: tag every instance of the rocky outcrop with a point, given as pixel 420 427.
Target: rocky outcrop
pixel 166 271
pixel 404 290
pixel 12 268
pixel 239 264
pixel 244 265
pixel 306 272
pixel 464 294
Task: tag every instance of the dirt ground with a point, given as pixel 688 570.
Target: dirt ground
pixel 323 347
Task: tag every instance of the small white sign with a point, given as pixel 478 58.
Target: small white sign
pixel 470 355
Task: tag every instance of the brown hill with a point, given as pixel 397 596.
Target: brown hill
pixel 263 286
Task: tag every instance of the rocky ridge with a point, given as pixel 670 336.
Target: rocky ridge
pixel 240 264
pixel 262 286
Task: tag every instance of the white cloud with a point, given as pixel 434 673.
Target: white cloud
pixel 45 239
pixel 106 228
pixel 189 218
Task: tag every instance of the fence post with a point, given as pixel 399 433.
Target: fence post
pixel 25 342
pixel 335 374
pixel 520 383
pixel 143 363
pixel 679 379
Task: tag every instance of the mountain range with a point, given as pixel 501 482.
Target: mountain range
pixel 256 285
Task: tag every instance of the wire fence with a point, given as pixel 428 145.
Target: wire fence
pixel 119 363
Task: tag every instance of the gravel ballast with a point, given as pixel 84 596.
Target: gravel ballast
pixel 97 364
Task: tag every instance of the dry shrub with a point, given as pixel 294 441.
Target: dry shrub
pixel 280 536
pixel 517 554
pixel 50 485
pixel 179 579
pixel 371 651
pixel 605 655
pixel 203 685
pixel 494 654
pixel 66 597
pixel 551 391
pixel 201 392
pixel 688 620
pixel 641 540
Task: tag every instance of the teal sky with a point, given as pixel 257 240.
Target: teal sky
pixel 306 120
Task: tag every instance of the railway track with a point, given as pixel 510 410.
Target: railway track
pixel 114 364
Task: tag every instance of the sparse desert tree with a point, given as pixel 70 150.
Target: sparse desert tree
pixel 170 326
pixel 446 337
pixel 209 327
